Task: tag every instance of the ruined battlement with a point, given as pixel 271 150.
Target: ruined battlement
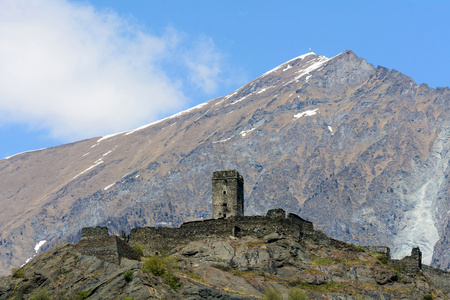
pixel 386 251
pixel 154 240
pixel 88 232
pixel 410 264
pixel 96 241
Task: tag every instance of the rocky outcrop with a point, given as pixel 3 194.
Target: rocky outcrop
pixel 226 268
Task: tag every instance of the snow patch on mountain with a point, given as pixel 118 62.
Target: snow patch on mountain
pixel 244 133
pixel 298 57
pixel 107 136
pixel 307 113
pixel 97 162
pixel 107 187
pixel 23 153
pixel 39 245
pixel 171 117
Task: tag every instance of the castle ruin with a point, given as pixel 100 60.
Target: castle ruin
pixel 227 220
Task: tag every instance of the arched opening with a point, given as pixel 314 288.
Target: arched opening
pixel 236 231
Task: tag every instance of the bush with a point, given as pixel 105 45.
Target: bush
pixel 159 266
pixel 382 259
pixel 139 249
pixel 272 293
pixel 17 273
pixel 128 275
pixel 41 294
pixel 428 297
pixel 297 294
pixel 164 267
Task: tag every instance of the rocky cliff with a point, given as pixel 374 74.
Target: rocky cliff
pixel 225 267
pixel 361 151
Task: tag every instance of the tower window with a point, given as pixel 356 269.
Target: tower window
pixel 224 192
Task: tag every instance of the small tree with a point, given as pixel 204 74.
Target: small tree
pixel 272 293
pixel 297 294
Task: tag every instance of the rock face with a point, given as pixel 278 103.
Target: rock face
pixel 363 152
pixel 219 267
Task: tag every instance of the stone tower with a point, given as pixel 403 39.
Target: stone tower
pixel 227 194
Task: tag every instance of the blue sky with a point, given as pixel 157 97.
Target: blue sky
pixel 72 70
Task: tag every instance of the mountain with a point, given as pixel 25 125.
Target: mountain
pixel 362 152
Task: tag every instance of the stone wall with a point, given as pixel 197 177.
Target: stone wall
pixel 410 264
pixel 386 251
pixel 163 239
pixel 94 231
pixel 96 241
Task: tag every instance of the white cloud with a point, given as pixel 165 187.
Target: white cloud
pixel 204 63
pixel 78 72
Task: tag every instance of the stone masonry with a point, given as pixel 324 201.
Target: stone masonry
pixel 227 194
pixel 96 241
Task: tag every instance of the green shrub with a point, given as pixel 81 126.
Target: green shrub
pixel 17 273
pixel 83 295
pixel 40 294
pixel 164 267
pixel 272 293
pixel 159 266
pixel 139 249
pixel 382 259
pixel 428 297
pixel 128 275
pixel 128 298
pixel 297 294
pixel 358 248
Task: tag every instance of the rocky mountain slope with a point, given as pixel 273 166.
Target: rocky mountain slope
pixel 226 268
pixel 363 152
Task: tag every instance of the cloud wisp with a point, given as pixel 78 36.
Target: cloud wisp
pixel 79 72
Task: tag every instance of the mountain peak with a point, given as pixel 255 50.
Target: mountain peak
pixel 350 147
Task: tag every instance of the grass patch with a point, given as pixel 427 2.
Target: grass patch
pixel 329 287
pixel 17 273
pixel 357 248
pixel 83 294
pixel 195 276
pixel 40 294
pixel 314 272
pixel 320 261
pixel 222 267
